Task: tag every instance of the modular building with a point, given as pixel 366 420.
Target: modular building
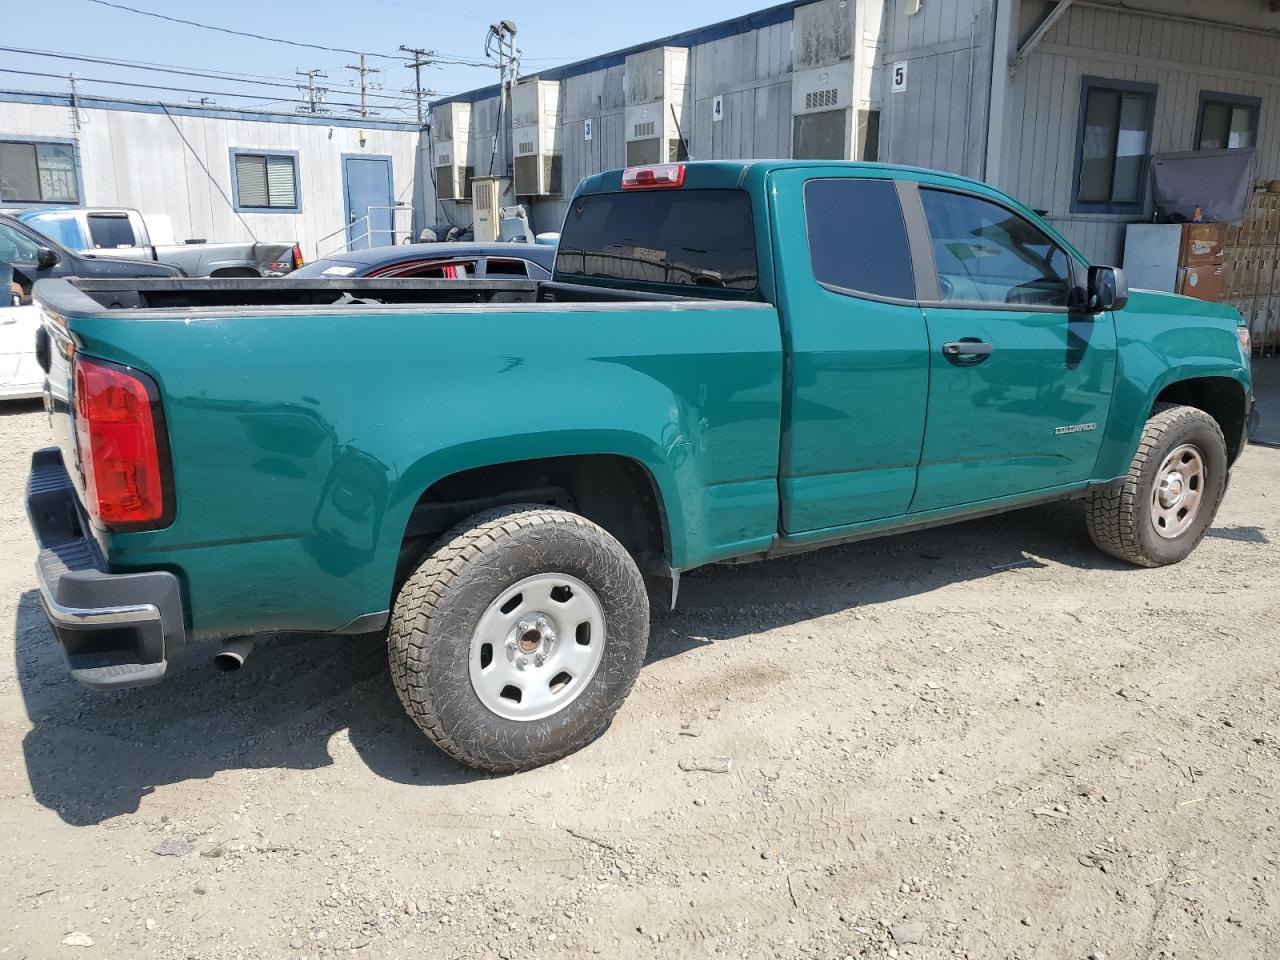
pixel 1059 102
pixel 202 173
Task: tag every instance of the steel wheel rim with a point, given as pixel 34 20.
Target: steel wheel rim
pixel 1179 491
pixel 537 646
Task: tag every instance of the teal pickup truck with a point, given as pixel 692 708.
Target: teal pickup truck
pixel 733 361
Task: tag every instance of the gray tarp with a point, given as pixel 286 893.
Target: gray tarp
pixel 1217 181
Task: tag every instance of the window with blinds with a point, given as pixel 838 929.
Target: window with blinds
pixel 266 181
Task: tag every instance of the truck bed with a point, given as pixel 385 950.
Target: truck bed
pixel 228 296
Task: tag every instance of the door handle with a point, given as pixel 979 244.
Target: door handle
pixel 967 352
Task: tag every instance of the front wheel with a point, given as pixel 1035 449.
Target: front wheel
pixel 1171 493
pixel 516 641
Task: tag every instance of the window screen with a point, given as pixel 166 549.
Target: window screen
pixel 1115 144
pixel 108 232
pixel 987 254
pixel 38 173
pixel 700 238
pixel 857 238
pixel 266 181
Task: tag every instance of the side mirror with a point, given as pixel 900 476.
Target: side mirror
pixel 46 258
pixel 1107 289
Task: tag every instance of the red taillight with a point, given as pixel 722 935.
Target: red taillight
pixel 119 445
pixel 297 257
pixel 663 176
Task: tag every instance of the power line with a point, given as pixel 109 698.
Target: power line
pixel 161 68
pixel 153 86
pixel 211 73
pixel 239 33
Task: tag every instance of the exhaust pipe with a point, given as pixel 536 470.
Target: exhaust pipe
pixel 233 655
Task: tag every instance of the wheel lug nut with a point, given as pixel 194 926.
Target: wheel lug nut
pixel 539 659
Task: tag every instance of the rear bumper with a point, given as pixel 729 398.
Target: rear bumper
pixel 116 629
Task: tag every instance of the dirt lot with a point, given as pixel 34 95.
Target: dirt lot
pixel 1062 758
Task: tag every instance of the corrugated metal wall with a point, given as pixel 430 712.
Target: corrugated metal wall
pixel 1181 57
pixel 750 70
pixel 939 121
pixel 180 166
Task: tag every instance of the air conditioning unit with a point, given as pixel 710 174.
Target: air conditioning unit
pixel 535 136
pixel 657 106
pixel 489 195
pixel 831 95
pixel 451 150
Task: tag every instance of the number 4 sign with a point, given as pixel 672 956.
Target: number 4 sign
pixel 899 77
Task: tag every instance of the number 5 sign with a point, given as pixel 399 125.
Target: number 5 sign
pixel 899 77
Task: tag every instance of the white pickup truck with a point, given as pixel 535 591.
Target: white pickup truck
pixel 123 232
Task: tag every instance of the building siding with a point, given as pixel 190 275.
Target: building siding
pixel 1181 57
pixel 938 121
pixel 178 165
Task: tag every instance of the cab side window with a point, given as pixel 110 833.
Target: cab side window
pixel 857 237
pixel 987 254
pixel 16 247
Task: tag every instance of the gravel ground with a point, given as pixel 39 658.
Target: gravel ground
pixel 988 738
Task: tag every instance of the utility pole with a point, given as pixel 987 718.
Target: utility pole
pixel 364 72
pixel 314 94
pixel 420 60
pixel 503 35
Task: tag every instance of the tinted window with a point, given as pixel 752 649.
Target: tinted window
pixel 857 239
pixel 109 232
pixel 452 270
pixel 702 238
pixel 505 268
pixel 986 254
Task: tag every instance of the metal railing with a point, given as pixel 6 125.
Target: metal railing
pixel 360 232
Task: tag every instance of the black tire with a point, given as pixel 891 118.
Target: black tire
pixel 1120 520
pixel 439 606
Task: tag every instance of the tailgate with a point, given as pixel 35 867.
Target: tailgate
pixel 54 352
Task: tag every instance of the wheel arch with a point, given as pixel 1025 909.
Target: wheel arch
pixel 235 270
pixel 629 495
pixel 1222 397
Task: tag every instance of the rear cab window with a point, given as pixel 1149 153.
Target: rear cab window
pixel 667 240
pixel 110 231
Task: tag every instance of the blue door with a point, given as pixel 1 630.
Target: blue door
pixel 366 186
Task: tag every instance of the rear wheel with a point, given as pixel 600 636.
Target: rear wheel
pixel 515 642
pixel 1171 494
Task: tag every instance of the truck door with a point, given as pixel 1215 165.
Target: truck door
pixel 1020 385
pixel 857 348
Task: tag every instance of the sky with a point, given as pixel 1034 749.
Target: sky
pixel 249 73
